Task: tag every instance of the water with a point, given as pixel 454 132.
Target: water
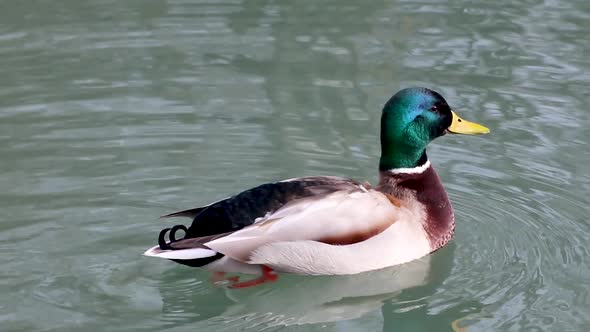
pixel 113 113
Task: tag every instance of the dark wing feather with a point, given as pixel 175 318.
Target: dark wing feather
pixel 241 210
pixel 191 213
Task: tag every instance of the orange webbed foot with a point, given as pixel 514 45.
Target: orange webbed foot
pixel 268 275
pixel 219 278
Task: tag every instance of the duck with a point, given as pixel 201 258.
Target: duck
pixel 327 225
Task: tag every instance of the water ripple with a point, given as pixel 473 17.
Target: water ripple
pixel 113 113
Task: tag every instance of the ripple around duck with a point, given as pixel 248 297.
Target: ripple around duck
pixel 508 244
pixel 306 301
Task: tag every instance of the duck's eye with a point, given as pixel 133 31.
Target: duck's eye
pixel 434 109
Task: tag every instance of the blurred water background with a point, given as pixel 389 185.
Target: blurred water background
pixel 115 112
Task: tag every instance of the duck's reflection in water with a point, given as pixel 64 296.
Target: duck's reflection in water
pixel 300 300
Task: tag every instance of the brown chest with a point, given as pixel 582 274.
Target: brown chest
pixel 427 189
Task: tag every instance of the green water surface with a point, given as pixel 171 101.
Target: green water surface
pixel 115 112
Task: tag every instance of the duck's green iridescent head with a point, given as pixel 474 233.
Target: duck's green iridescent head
pixel 411 119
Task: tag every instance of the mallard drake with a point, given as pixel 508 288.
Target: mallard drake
pixel 325 225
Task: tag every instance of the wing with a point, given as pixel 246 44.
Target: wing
pixel 243 209
pixel 224 217
pixel 339 218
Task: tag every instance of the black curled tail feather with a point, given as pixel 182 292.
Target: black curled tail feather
pixel 172 237
pixel 162 240
pixel 167 245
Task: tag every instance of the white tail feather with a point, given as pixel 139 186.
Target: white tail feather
pixel 192 253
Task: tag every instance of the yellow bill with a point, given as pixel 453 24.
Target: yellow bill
pixel 460 126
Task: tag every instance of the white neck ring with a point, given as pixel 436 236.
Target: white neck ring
pixel 413 170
